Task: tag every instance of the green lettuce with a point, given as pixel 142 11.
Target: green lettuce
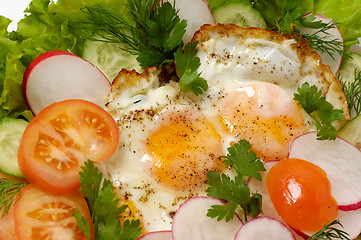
pixel 12 102
pixel 46 26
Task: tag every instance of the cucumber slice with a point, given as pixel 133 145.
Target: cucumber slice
pixel 351 132
pixel 109 58
pixel 11 130
pixel 347 71
pixel 241 14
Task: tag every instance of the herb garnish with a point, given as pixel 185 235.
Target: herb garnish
pixel 352 90
pixel 187 64
pixel 236 192
pixel 8 191
pixel 104 208
pixel 154 34
pixel 289 17
pixel 329 232
pixel 319 109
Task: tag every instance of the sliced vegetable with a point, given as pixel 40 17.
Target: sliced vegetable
pixel 60 138
pixel 11 130
pixel 351 131
pixel 301 194
pixel 196 12
pixel 109 57
pixel 331 58
pixel 40 215
pixel 191 221
pixel 341 162
pixel 159 235
pixel 347 70
pixel 241 14
pixel 260 227
pixel 57 75
pixel 7 229
pixel 350 220
pixel 350 77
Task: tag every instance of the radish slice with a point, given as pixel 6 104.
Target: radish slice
pixel 264 228
pixel 340 160
pixel 57 75
pixel 196 12
pixel 157 235
pixel 351 224
pixel 334 62
pixel 190 221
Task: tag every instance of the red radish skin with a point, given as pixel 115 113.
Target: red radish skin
pixel 334 62
pixel 157 235
pixel 190 221
pixel 58 75
pixel 341 161
pixel 264 228
pixel 196 12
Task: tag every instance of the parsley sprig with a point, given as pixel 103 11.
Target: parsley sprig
pixel 104 208
pixel 352 90
pixel 8 190
pixel 187 64
pixel 329 232
pixel 154 34
pixel 235 191
pixel 319 109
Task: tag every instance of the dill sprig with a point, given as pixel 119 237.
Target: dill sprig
pixel 153 33
pixel 352 90
pixel 8 191
pixel 330 232
pixel 321 40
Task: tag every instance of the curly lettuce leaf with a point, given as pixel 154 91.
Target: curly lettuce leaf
pixel 12 102
pixel 46 26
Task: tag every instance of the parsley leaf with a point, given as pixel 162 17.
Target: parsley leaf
pixel 235 191
pixel 99 193
pixel 187 64
pixel 154 33
pixel 244 160
pixel 319 109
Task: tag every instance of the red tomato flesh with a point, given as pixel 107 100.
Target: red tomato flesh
pixel 7 225
pixel 60 139
pixel 39 215
pixel 301 194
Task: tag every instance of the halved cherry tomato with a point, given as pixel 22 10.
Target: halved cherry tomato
pixel 301 194
pixel 60 139
pixel 39 215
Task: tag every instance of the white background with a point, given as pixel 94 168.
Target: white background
pixel 13 9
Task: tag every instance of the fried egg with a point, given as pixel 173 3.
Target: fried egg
pixel 169 140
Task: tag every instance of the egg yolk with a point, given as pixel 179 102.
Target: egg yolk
pixel 263 114
pixel 183 148
pixel 301 194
